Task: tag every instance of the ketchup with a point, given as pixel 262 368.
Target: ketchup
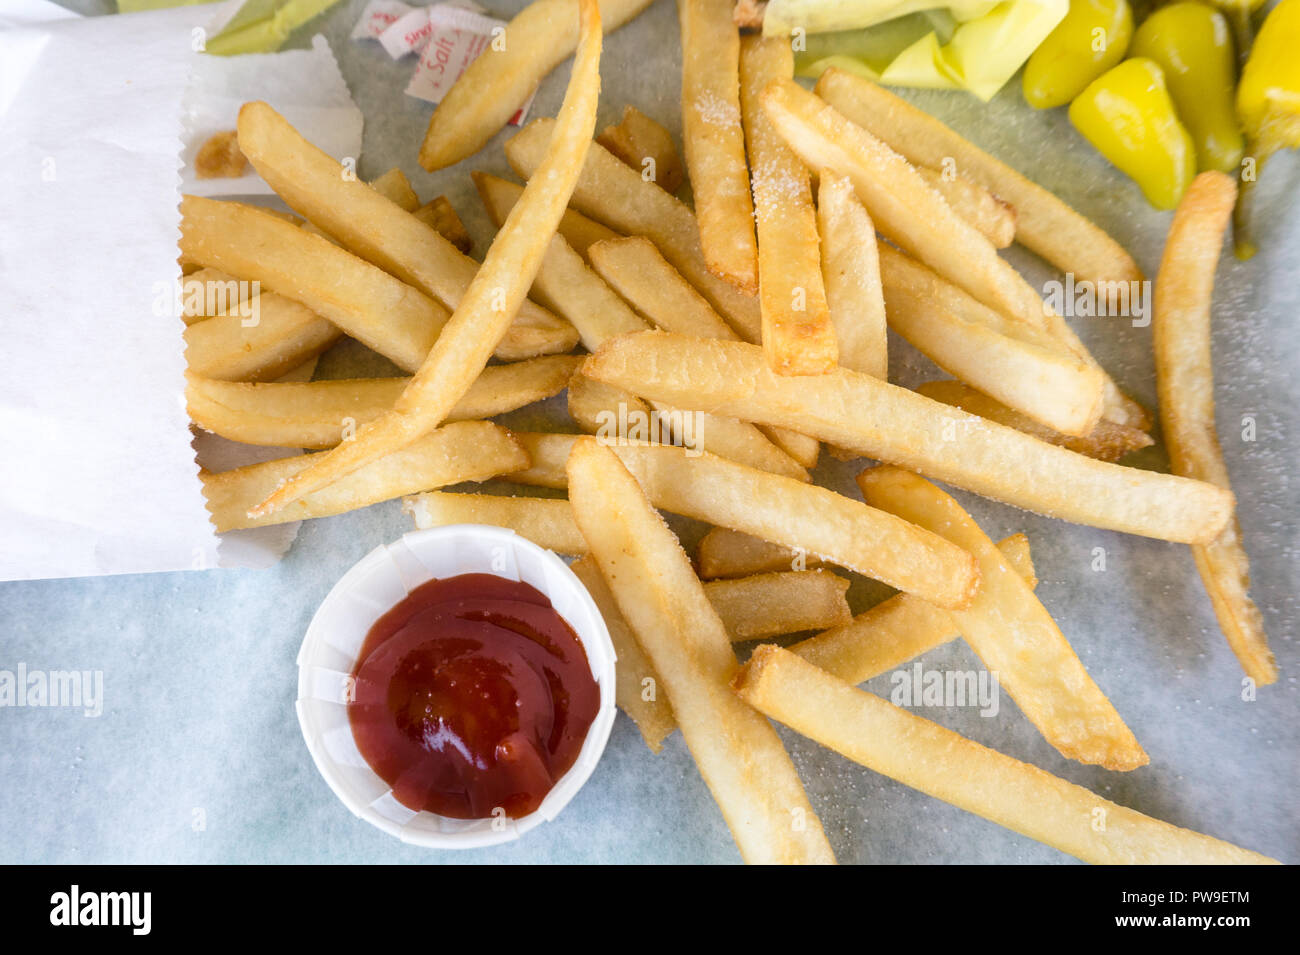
pixel 472 695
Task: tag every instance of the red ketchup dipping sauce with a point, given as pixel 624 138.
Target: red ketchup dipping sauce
pixel 471 695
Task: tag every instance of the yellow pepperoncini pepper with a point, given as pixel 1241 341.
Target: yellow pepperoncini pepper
pixel 1090 39
pixel 1268 105
pixel 1193 46
pixel 1128 115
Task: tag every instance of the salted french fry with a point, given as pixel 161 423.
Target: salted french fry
pixel 462 451
pixel 320 414
pixel 798 334
pixel 715 142
pixel 786 511
pixel 493 297
pixel 1038 379
pixel 737 751
pixel 769 605
pixel 1106 442
pixel 547 522
pixel 991 217
pixel 375 308
pixel 933 759
pixel 851 273
pixel 396 188
pixel 549 454
pixel 1044 223
pixel 209 292
pixel 723 553
pixel 1013 633
pixel 232 348
pixel 636 685
pixel 500 195
pixel 599 409
pixel 442 216
pixel 647 147
pixel 896 630
pixel 892 424
pixel 1185 380
pixel 497 84
pixel 615 195
pixel 379 231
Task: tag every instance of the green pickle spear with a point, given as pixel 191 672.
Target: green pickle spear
pixel 1128 115
pixel 1089 41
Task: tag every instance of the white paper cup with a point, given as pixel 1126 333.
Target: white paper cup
pixel 369 590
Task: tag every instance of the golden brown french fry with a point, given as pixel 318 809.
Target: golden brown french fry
pixel 636 686
pixel 209 292
pixel 372 306
pixel 1040 380
pixel 377 230
pixel 320 414
pixel 462 451
pixel 497 84
pixel 928 757
pixel 549 454
pixel 737 751
pixel 851 273
pixel 647 147
pixel 1044 223
pixel 597 407
pixel 723 553
pixel 798 334
pixel 1013 633
pixel 493 297
pixel 715 142
pixel 1185 380
pixel 285 335
pixel 1106 442
pixel 901 204
pixel 547 522
pixel 442 216
pixel 780 509
pixel 901 427
pixel 896 630
pixel 991 217
pixel 500 195
pixel 769 605
pixel 396 188
pixel 613 194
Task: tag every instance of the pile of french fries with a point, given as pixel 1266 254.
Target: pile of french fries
pixel 747 332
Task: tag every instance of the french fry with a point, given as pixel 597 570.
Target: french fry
pixel 737 751
pixel 901 204
pixel 901 427
pixel 1013 633
pixel 715 142
pixel 597 408
pixel 723 553
pixel 896 630
pixel 442 216
pixel 1040 380
pixel 493 297
pixel 500 195
pixel 991 217
pixel 320 414
pixel 933 759
pixel 497 84
pixel 377 230
pixel 285 335
pixel 1185 380
pixel 798 334
pixel 1106 442
pixel 635 682
pixel 462 451
pixel 647 147
pixel 547 522
pixel 780 509
pixel 396 188
pixel 851 273
pixel 549 454
pixel 372 306
pixel 769 605
pixel 209 292
pixel 1044 223
pixel 613 194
